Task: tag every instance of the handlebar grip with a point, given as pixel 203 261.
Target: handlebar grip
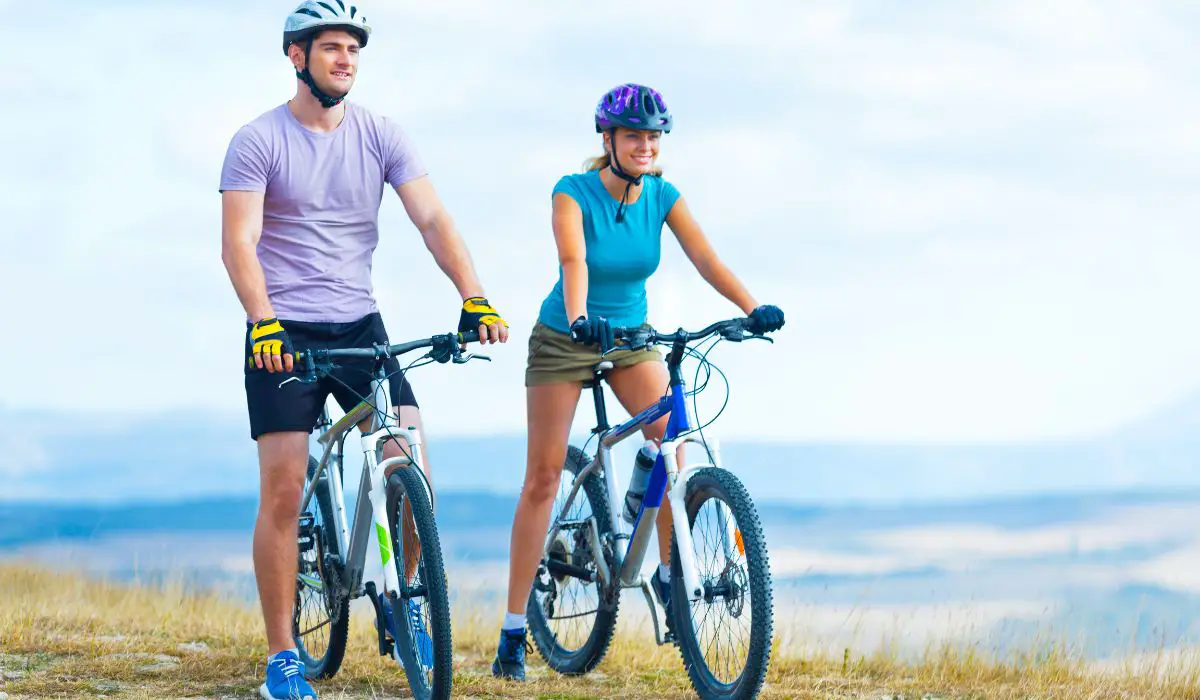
pixel 468 337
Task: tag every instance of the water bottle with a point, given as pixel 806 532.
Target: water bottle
pixel 642 466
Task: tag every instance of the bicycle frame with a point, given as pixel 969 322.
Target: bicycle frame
pixel 383 426
pixel 666 478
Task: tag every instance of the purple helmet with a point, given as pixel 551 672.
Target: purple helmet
pixel 633 106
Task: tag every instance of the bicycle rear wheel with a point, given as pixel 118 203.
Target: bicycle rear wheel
pixel 725 636
pixel 572 620
pixel 421 613
pixel 321 615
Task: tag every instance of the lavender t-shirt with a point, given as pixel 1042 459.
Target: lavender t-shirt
pixel 321 207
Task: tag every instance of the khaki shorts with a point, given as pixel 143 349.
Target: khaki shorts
pixel 555 358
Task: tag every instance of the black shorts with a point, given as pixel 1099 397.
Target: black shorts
pixel 295 406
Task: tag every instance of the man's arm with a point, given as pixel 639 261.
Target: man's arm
pixel 241 227
pixel 437 228
pixel 441 237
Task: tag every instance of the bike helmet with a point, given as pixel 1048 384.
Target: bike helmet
pixel 635 107
pixel 311 17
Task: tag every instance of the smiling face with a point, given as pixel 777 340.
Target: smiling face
pixel 636 150
pixel 332 60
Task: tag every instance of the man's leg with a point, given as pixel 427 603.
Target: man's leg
pixel 282 414
pixel 283 460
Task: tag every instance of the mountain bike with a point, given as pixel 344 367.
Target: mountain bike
pixel 412 612
pixel 591 554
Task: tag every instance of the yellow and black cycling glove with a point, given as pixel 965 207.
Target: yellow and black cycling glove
pixel 478 312
pixel 267 337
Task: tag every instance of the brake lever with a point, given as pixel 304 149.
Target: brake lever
pixel 460 359
pixel 307 378
pixel 759 336
pixel 305 375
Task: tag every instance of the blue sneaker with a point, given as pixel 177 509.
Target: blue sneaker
pixel 285 679
pixel 510 655
pixel 420 635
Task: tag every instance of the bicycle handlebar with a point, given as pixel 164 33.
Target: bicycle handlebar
pixel 736 329
pixel 445 348
pixel 446 342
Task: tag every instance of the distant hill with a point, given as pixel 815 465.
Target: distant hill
pixel 47 457
pixel 474 512
pixel 1175 423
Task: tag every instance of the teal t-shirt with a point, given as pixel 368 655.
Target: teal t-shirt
pixel 620 256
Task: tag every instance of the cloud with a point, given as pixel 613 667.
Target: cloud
pixel 974 216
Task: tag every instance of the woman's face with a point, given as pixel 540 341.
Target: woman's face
pixel 636 150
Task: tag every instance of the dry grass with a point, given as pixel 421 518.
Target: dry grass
pixel 69 636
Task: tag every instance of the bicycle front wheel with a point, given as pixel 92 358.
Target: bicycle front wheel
pixel 421 612
pixel 725 636
pixel 321 616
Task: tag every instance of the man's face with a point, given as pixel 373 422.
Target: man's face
pixel 332 60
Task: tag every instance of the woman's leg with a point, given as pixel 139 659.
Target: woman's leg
pixel 550 409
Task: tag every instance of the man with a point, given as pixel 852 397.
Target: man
pixel 301 188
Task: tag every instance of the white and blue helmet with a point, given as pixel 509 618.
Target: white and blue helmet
pixel 312 16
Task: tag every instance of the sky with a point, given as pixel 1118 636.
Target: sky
pixel 974 215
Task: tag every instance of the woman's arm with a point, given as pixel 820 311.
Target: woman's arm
pixel 572 254
pixel 696 246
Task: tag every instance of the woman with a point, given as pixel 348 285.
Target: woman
pixel 608 227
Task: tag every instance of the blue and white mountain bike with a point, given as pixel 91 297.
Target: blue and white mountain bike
pixel 720 612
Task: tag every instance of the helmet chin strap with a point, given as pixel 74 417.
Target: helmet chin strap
pixel 327 101
pixel 617 170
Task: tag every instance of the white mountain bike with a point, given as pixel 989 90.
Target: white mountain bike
pixel 412 612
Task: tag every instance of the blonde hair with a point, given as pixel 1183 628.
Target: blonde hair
pixel 600 162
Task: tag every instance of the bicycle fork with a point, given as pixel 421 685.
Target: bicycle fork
pixel 639 542
pixel 390 600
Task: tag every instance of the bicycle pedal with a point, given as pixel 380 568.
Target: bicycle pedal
pixel 306 532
